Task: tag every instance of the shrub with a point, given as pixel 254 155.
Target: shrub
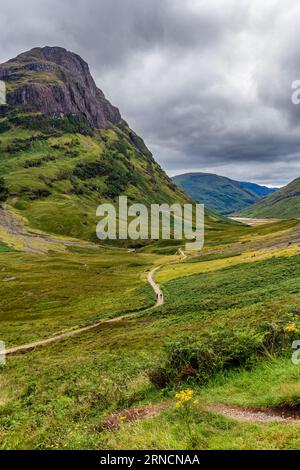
pixel 38 161
pixel 70 124
pixel 4 126
pixel 4 193
pixel 40 193
pixel 18 145
pixel 199 360
pixel 87 170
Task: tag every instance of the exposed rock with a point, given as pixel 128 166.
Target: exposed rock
pixel 55 82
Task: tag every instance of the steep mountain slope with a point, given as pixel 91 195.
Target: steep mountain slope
pixel 64 149
pixel 284 204
pixel 219 193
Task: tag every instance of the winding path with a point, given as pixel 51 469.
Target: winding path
pixel 30 346
pixel 159 301
pixel 156 288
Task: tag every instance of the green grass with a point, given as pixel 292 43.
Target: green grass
pixel 5 248
pixel 247 291
pixel 205 431
pixel 62 291
pixel 57 397
pixel 272 383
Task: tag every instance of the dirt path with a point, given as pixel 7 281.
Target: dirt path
pixel 182 254
pixel 265 416
pixel 129 415
pixel 256 415
pixel 30 346
pixel 155 287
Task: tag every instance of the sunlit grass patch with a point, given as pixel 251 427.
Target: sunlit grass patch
pixel 188 268
pixel 57 292
pixel 271 383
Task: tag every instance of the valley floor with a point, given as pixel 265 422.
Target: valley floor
pixel 96 389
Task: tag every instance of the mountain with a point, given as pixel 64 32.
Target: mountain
pixel 219 193
pixel 260 191
pixel 55 82
pixel 284 204
pixel 64 149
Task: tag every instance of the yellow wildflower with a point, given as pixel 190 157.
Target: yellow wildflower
pixel 183 397
pixel 291 328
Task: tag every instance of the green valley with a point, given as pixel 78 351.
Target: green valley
pixel 142 345
pixel 61 395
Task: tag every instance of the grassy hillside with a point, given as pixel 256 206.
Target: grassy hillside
pixel 56 176
pixel 219 193
pixel 284 204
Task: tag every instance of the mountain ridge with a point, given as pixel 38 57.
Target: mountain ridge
pixel 220 193
pixel 284 204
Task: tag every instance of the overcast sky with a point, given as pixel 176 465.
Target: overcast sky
pixel 207 84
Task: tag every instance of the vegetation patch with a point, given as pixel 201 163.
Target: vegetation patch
pixel 4 248
pixel 3 190
pixel 201 360
pixel 65 124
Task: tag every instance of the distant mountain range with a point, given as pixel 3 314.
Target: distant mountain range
pixel 219 193
pixel 284 204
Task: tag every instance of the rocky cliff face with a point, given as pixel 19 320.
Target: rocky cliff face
pixel 56 82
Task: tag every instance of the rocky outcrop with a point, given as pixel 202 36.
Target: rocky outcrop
pixel 55 82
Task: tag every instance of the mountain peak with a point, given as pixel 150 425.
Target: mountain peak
pixel 67 61
pixel 55 82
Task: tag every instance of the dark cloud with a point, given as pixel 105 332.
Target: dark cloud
pixel 207 84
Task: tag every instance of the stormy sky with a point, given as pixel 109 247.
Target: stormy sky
pixel 207 84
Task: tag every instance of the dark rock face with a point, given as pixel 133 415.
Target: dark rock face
pixel 56 82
